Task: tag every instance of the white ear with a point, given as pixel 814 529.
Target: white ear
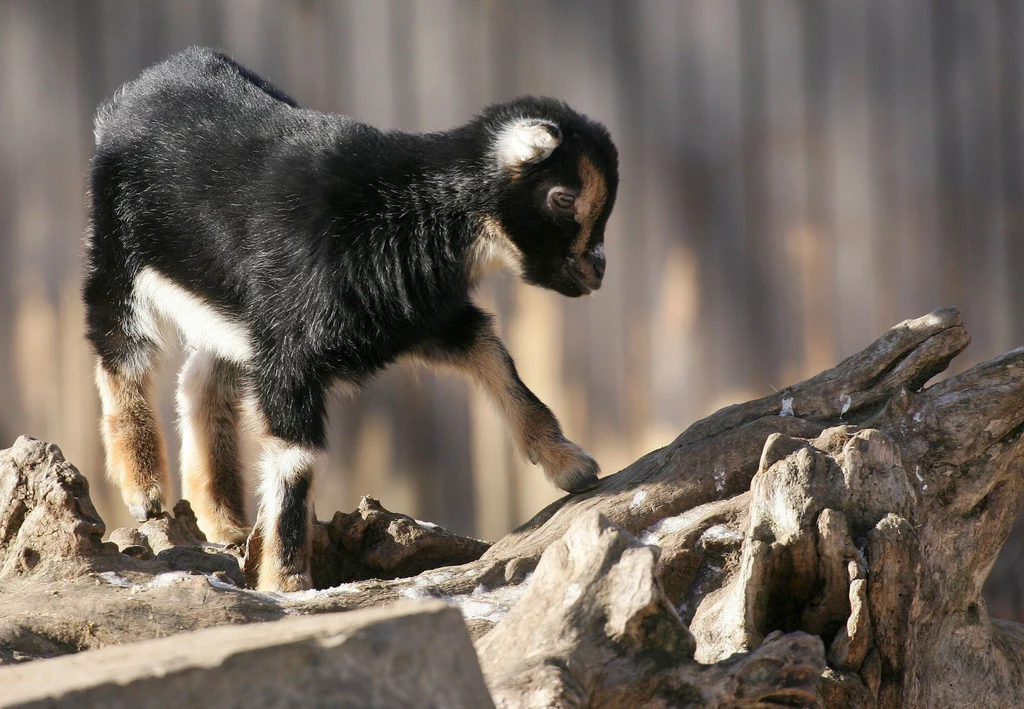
pixel 527 141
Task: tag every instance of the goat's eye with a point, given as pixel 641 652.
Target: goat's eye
pixel 562 200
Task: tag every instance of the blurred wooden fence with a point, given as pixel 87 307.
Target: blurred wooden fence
pixel 796 177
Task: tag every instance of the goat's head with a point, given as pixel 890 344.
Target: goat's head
pixel 557 175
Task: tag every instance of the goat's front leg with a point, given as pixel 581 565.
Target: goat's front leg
pixel 292 404
pixel 471 345
pixel 285 516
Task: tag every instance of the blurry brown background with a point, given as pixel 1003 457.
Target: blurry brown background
pixel 796 177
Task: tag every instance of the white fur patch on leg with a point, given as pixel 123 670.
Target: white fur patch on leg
pixel 282 467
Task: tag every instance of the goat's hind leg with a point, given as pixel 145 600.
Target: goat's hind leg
pixel 136 455
pixel 127 341
pixel 209 395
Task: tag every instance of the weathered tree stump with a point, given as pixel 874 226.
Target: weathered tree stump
pixel 824 545
pixel 595 629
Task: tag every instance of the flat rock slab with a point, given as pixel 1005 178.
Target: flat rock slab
pixel 410 654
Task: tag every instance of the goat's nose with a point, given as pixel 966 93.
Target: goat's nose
pixel 598 262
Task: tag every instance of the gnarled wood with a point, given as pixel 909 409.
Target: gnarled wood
pixel 853 517
pixel 595 629
pixel 716 457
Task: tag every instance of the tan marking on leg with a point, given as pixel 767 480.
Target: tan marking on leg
pixel 211 475
pixel 136 456
pixel 532 429
pixel 536 431
pixel 283 464
pixel 589 204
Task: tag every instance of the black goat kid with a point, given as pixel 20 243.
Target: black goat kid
pixel 295 249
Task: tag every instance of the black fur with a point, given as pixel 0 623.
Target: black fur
pixel 336 247
pixel 340 247
pixel 293 521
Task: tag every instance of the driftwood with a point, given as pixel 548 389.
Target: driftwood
pixel 367 659
pixel 826 545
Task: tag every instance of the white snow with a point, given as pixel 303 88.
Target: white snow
pixel 720 533
pixel 414 592
pixel 787 406
pixel 114 579
pixel 220 585
pixel 663 527
pixel 168 579
pixel 718 474
pixel 572 594
pixel 492 605
pixel 845 401
pixel 638 499
pixel 315 594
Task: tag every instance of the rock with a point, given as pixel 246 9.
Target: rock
pixel 176 541
pixel 595 629
pixel 843 689
pixel 63 590
pixel 21 644
pixel 893 558
pixel 48 525
pixel 407 654
pixel 373 542
pixel 201 561
pixel 799 566
pixel 866 522
pixel 874 482
pixel 169 530
pixel 852 642
pixel 111 608
pixel 837 559
pixel 130 541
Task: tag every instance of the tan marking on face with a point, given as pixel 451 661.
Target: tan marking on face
pixel 136 457
pixel 589 204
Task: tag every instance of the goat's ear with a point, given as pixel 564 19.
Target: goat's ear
pixel 527 141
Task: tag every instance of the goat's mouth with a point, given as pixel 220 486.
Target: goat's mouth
pixel 586 284
pixel 578 279
pixel 565 280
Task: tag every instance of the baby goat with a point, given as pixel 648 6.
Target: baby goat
pixel 294 249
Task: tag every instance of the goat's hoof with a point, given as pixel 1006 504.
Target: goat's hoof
pixel 571 469
pixel 145 509
pixel 284 583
